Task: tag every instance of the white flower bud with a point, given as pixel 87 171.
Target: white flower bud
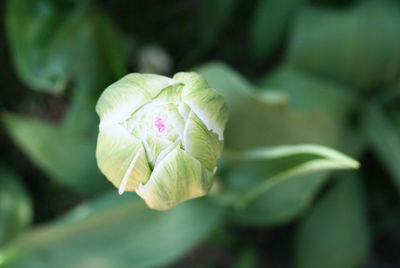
pixel 161 137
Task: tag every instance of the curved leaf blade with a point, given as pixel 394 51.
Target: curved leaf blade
pixel 335 234
pixel 15 206
pixel 114 231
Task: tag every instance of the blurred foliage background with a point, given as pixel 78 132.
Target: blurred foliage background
pixel 323 72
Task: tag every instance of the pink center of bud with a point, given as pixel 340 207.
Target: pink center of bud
pixel 159 124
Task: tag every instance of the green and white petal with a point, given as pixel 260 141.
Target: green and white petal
pixel 122 98
pixel 178 177
pixel 192 81
pixel 121 158
pixel 168 95
pixel 201 143
pixel 210 107
pixel 177 121
pixel 154 83
pixel 184 110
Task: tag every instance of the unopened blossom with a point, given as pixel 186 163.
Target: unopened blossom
pixel 160 136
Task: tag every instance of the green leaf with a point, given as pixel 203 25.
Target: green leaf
pixel 15 207
pixel 269 23
pixel 114 46
pixel 270 153
pixel 335 234
pixel 214 17
pixel 115 231
pixel 293 173
pixel 248 257
pixel 278 179
pixel 255 121
pixel 258 121
pixel 385 141
pixel 282 203
pixel 30 26
pixel 67 154
pixel 311 93
pixel 357 46
pixel 54 42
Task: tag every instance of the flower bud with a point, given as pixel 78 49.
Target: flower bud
pixel 161 137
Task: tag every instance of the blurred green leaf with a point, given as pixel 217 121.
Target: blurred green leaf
pixel 30 28
pixel 358 46
pixel 54 42
pixel 308 92
pixel 214 17
pixel 258 121
pixel 255 121
pixel 65 152
pixel 250 199
pixel 249 257
pixel 276 152
pixel 116 48
pixel 15 206
pixel 115 231
pixel 282 203
pixel 335 234
pixel 269 24
pixel 385 140
pixel 330 160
